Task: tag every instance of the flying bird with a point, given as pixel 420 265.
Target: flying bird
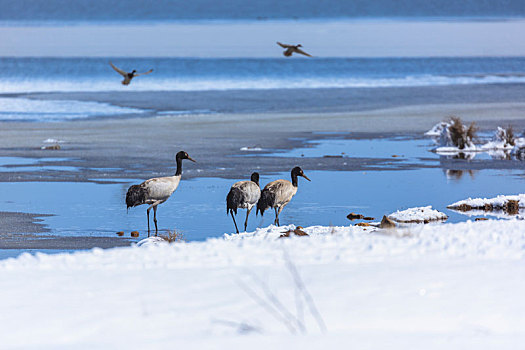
pixel 277 194
pixel 157 190
pixel 244 195
pixel 290 49
pixel 128 76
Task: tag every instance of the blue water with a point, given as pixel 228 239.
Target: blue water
pixel 180 74
pixel 197 208
pixel 166 10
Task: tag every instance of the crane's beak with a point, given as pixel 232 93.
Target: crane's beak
pixel 306 177
pixel 193 160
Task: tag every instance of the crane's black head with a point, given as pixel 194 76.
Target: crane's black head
pixel 134 71
pixel 299 45
pixel 255 178
pixel 297 171
pixel 183 155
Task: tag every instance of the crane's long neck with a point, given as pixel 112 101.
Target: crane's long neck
pixel 179 167
pixel 294 180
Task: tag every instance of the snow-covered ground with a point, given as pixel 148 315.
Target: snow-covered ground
pixel 427 286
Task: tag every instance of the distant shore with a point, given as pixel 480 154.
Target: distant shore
pixel 325 38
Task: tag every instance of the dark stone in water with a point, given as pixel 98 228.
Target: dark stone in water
pixel 368 218
pixel 354 216
pixel 481 219
pixel 134 233
pixel 120 233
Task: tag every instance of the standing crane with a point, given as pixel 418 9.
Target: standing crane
pixel 277 194
pixel 157 190
pixel 243 194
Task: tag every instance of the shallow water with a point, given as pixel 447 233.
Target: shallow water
pixel 197 209
pixel 404 149
pixel 19 164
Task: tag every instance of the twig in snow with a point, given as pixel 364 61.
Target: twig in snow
pixel 278 305
pixel 301 286
pixel 242 327
pixel 268 307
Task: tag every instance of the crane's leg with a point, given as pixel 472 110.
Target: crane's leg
pixel 233 217
pixel 155 219
pixel 246 222
pixel 154 206
pixel 279 213
pixel 147 212
pixel 276 221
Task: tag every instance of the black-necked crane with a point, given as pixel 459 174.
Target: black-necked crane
pixel 128 76
pixel 290 49
pixel 277 194
pixel 244 195
pixel 157 190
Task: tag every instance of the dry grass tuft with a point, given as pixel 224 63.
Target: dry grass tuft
pixel 460 135
pixel 512 207
pixel 173 237
pixel 510 138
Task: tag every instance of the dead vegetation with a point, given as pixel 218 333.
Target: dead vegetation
pixel 461 135
pixel 173 237
pixel 506 135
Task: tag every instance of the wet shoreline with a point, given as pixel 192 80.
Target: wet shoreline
pixel 118 152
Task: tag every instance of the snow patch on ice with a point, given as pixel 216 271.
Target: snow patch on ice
pixel 53 141
pixel 418 214
pixel 251 149
pixel 151 241
pixel 437 129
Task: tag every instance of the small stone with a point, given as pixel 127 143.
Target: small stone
pixel 481 219
pixel 120 233
pixel 354 216
pixel 134 233
pixel 362 224
pixel 54 147
pixel 297 232
pixel 387 223
pixel 368 218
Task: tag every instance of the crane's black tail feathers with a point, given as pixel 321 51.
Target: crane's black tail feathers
pixel 266 201
pixel 136 196
pixel 233 199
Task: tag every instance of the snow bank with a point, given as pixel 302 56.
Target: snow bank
pixel 418 215
pixel 496 203
pixel 457 282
